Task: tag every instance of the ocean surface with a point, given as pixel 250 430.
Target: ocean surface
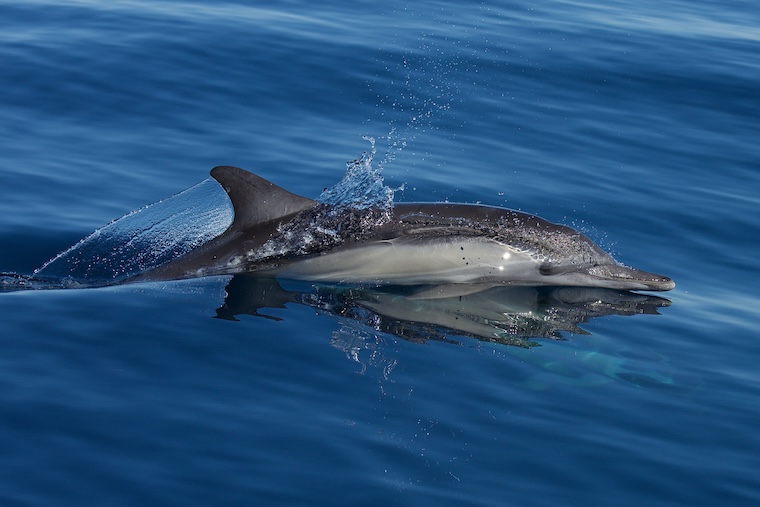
pixel 636 123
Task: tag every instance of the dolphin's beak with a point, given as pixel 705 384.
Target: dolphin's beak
pixel 631 279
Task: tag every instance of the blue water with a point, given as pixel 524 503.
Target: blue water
pixel 636 123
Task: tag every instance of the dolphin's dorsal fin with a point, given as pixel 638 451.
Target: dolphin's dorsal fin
pixel 256 200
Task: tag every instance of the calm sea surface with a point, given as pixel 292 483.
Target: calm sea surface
pixel 636 123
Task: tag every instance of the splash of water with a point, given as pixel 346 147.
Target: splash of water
pixel 362 187
pixel 358 203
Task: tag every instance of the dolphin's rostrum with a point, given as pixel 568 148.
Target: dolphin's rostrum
pixel 462 248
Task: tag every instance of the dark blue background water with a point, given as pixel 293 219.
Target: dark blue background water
pixel 636 122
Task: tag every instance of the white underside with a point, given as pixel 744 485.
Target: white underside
pixel 457 260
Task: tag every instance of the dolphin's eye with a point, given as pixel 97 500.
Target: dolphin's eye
pixel 546 269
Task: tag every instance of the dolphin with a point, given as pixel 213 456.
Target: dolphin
pixel 460 248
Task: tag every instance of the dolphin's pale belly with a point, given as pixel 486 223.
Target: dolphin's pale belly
pixel 447 260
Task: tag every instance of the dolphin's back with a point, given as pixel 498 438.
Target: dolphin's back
pixel 546 241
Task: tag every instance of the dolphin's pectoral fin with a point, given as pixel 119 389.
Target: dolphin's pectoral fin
pixel 256 200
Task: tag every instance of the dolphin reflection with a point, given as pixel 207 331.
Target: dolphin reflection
pixel 505 314
pixel 511 317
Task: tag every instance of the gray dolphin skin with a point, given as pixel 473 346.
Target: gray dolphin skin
pixel 462 248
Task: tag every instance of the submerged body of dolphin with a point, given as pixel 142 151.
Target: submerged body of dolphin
pixel 470 247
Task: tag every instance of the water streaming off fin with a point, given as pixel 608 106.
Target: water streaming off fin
pixel 144 238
